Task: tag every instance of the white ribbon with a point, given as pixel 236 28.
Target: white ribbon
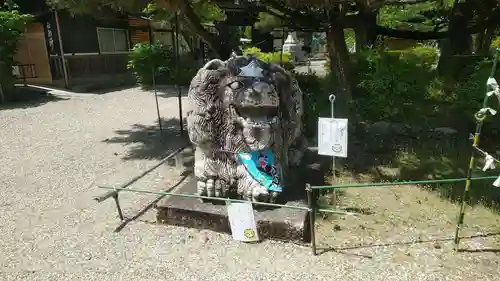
pixel 492 83
pixel 489 163
pixel 487 109
pixel 494 92
pixel 496 183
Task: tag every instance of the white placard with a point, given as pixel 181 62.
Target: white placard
pixel 332 137
pixel 242 222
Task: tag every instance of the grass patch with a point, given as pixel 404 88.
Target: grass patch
pixel 412 224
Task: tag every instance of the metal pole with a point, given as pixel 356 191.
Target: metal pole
pixel 61 51
pixel 331 98
pixel 177 62
pixel 312 217
pixel 479 128
pixel 156 99
pixel 23 73
pixel 118 207
pixel 153 70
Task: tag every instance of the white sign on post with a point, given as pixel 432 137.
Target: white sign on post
pixel 332 137
pixel 242 222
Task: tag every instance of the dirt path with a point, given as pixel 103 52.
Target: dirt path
pixel 52 156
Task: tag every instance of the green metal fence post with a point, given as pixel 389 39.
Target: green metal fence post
pixel 118 207
pixel 312 215
pixel 479 127
pixel 332 98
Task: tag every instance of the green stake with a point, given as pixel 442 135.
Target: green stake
pixel 479 128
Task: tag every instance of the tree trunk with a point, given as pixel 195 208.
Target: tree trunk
pixel 458 41
pixel 229 39
pixel 308 36
pixel 339 59
pixel 223 51
pixel 365 30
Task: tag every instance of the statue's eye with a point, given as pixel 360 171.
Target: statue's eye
pixel 236 85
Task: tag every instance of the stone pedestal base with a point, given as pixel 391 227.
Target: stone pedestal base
pixel 275 223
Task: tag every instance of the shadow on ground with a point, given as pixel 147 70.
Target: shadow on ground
pixel 106 90
pixel 150 206
pixel 28 96
pixel 149 141
pixel 165 91
pixel 171 91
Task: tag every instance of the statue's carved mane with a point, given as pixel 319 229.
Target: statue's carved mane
pixel 242 105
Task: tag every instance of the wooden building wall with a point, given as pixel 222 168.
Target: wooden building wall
pixel 139 30
pixel 32 50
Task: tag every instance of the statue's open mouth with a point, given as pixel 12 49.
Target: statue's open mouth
pixel 257 113
pixel 258 123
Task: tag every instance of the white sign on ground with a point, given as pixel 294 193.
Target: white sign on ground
pixel 332 137
pixel 242 222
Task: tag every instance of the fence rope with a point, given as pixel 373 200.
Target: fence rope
pixel 226 200
pixel 382 184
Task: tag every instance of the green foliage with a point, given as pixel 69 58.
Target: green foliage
pixel 12 26
pixel 350 38
pixel 496 43
pixel 403 87
pixel 274 57
pixel 206 11
pixel 395 83
pixel 314 90
pixel 467 95
pixel 248 32
pixel 267 22
pixel 424 16
pixel 145 57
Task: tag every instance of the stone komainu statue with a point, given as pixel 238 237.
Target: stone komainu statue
pixel 240 107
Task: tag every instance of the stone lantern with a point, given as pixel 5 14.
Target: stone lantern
pixel 293 46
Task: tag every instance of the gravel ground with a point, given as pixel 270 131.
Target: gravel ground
pixel 54 154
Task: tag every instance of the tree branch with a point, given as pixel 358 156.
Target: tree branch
pixel 405 2
pixel 430 35
pixel 305 20
pixel 193 20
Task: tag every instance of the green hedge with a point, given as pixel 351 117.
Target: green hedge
pixel 402 87
pixel 274 57
pixel 395 84
pixel 12 26
pixel 145 57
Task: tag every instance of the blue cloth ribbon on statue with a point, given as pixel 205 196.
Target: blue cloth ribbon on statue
pixel 261 166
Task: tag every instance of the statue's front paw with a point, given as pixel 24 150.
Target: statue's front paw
pixel 212 187
pixel 251 190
